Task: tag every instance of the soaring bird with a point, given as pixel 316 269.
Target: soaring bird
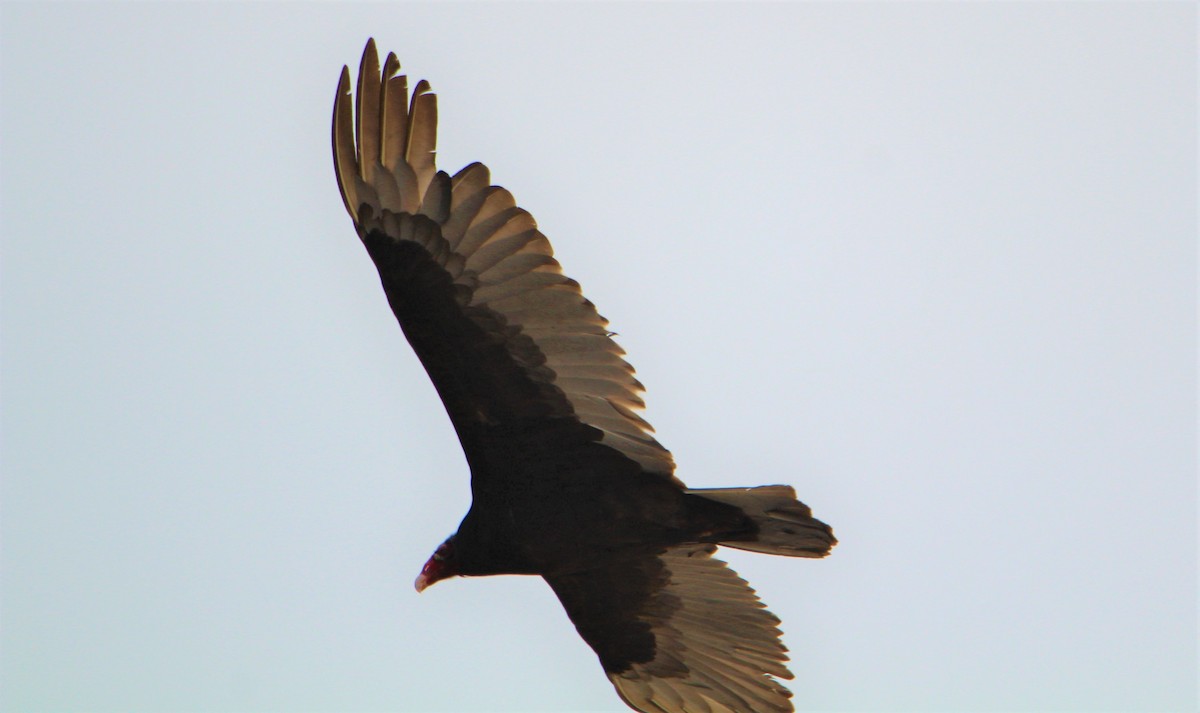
pixel 567 480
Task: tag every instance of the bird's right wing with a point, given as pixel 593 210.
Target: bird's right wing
pixel 679 632
pixel 510 342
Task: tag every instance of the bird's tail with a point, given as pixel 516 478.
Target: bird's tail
pixel 785 525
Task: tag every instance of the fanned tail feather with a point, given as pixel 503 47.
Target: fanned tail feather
pixel 785 525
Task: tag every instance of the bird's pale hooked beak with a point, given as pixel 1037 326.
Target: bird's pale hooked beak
pixel 435 570
pixel 441 565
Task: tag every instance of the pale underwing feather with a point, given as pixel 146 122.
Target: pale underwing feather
pixel 367 114
pixel 393 119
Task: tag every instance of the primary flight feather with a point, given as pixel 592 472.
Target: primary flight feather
pixel 567 480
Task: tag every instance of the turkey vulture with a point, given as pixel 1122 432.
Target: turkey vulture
pixel 567 481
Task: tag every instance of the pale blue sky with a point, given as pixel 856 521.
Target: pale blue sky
pixel 933 264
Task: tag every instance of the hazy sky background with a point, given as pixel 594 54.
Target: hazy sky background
pixel 933 264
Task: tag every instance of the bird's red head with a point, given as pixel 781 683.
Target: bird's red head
pixel 443 564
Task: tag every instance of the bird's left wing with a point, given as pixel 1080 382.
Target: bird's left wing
pixel 679 632
pixel 507 339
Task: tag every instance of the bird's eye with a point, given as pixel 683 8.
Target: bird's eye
pixel 439 557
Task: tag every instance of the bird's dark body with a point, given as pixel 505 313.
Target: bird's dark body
pixel 565 511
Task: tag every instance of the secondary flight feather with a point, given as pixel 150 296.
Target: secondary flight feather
pixel 567 479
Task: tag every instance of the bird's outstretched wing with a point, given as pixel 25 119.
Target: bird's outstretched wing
pixel 679 632
pixel 509 341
